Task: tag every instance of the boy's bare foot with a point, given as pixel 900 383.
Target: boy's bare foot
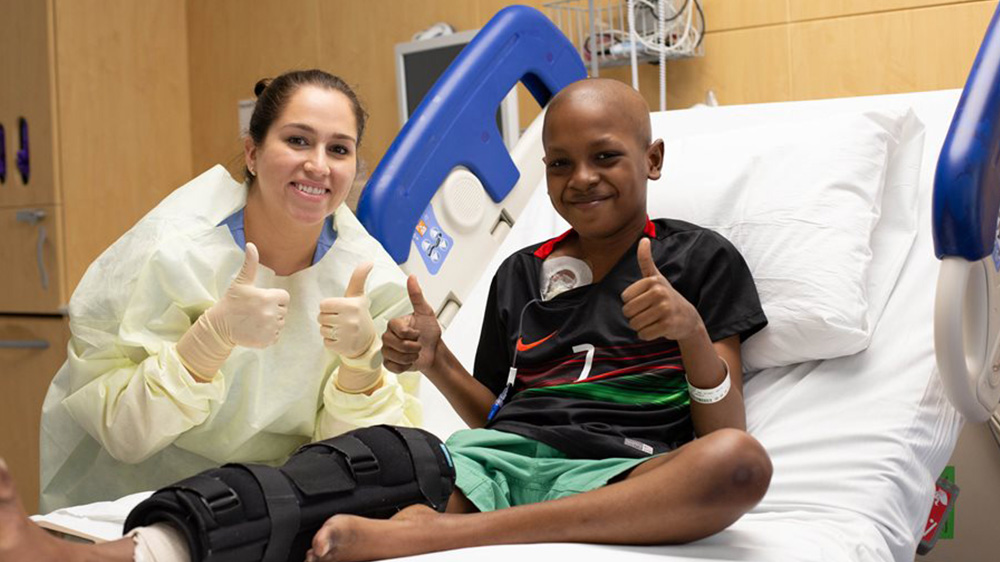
pixel 21 540
pixel 350 538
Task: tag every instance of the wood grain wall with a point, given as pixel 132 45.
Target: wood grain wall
pixel 755 51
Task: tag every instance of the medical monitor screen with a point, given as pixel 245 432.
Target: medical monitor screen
pixel 421 69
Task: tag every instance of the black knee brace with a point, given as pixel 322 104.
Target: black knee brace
pixel 244 512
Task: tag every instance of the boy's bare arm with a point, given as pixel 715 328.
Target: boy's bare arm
pixel 656 310
pixel 704 370
pixel 413 343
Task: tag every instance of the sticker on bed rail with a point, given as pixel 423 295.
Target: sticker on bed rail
pixel 432 242
pixel 941 520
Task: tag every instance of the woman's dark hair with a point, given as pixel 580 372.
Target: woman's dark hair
pixel 273 95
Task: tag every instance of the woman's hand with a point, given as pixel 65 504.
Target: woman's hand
pixel 348 329
pixel 246 315
pixel 345 322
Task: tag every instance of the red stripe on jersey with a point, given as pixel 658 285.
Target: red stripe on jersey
pixel 569 371
pixel 546 249
pixel 637 368
pixel 527 384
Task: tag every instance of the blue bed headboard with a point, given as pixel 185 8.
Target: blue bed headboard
pixel 455 125
pixel 967 181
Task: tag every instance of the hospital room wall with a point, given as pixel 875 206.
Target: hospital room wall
pixel 755 51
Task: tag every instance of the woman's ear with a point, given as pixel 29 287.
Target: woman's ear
pixel 250 154
pixel 654 159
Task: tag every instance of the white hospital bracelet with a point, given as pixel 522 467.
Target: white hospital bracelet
pixel 711 395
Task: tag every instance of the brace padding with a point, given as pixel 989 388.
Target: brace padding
pixel 246 512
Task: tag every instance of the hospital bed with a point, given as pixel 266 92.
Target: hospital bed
pixel 846 397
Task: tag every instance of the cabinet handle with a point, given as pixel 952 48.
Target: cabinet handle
pixel 35 216
pixel 23 157
pixel 24 344
pixel 3 155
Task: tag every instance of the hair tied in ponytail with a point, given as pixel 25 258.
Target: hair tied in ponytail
pixel 258 89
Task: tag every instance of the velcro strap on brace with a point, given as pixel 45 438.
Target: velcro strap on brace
pixel 317 474
pixel 218 498
pixel 282 509
pixel 435 486
pixel 361 460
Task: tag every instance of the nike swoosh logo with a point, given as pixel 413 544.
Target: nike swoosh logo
pixel 521 346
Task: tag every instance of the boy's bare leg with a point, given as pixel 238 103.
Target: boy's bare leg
pixel 21 540
pixel 692 493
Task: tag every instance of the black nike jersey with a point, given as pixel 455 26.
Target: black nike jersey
pixel 586 384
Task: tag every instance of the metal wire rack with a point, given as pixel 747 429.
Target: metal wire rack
pixel 600 29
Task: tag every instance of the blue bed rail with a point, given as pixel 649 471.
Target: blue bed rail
pixel 455 124
pixel 967 180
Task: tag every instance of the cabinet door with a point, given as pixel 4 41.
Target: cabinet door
pixel 26 93
pixel 31 280
pixel 31 351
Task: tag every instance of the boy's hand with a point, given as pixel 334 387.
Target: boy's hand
pixel 410 342
pixel 653 308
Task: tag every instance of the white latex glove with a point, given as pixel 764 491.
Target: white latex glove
pixel 344 322
pixel 348 329
pixel 246 315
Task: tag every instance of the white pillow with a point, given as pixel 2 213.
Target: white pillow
pixel 809 205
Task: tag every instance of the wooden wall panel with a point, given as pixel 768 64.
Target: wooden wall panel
pixel 802 10
pixel 887 52
pixel 143 44
pixel 753 53
pixel 741 66
pixel 233 44
pixel 722 15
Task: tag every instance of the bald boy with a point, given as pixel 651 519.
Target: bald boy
pixel 605 405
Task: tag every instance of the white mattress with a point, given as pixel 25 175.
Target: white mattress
pixel 856 442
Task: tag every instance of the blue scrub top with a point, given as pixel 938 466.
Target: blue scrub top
pixel 326 237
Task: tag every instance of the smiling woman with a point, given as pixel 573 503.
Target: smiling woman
pixel 236 321
pixel 304 168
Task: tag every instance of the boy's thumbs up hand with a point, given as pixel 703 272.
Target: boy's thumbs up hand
pixel 410 342
pixel 345 322
pixel 652 306
pixel 420 305
pixel 646 264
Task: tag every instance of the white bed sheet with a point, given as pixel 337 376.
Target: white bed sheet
pixel 856 442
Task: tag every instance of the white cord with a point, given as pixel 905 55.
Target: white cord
pixel 686 40
pixel 994 424
pixel 632 39
pixel 663 53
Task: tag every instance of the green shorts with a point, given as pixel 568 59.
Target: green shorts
pixel 496 469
